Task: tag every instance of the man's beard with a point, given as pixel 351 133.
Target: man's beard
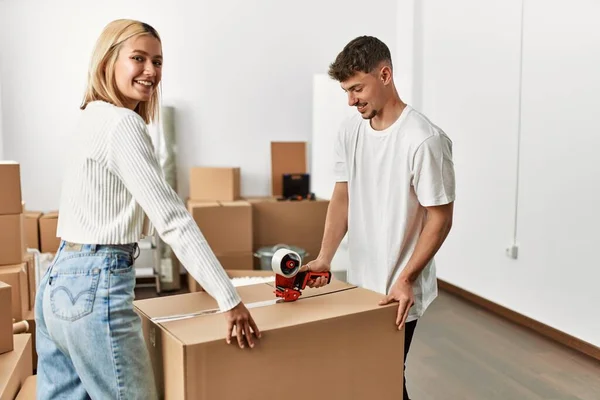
pixel 371 115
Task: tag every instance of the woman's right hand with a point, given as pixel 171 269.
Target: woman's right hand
pixel 240 318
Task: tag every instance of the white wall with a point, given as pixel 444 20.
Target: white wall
pixel 239 74
pixel 471 59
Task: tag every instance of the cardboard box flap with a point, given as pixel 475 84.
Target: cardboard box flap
pixel 48 215
pixel 201 203
pixel 28 391
pixel 33 214
pixel 234 203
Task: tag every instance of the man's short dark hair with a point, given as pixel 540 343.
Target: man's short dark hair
pixel 362 54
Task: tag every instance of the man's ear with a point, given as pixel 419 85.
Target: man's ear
pixel 385 74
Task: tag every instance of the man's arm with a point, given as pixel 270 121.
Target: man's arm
pixel 336 226
pixel 436 229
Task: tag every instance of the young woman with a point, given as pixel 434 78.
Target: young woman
pixel 89 339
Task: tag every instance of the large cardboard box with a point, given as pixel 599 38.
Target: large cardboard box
pixel 12 239
pixel 226 225
pixel 215 184
pixel 10 188
pixel 16 277
pixel 293 223
pixel 335 342
pixel 28 391
pixel 15 367
pixel 32 229
pixel 49 242
pixel 286 158
pixel 6 331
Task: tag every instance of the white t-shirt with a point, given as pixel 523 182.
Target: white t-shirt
pixel 392 175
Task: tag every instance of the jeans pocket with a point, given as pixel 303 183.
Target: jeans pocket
pixel 72 295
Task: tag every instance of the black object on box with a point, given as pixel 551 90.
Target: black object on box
pixel 296 187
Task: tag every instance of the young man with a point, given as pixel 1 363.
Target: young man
pixel 394 188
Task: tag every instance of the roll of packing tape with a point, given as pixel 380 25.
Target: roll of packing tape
pixel 286 262
pixel 20 327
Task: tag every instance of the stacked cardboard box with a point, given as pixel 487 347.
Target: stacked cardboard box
pixel 13 270
pixel 299 223
pixel 48 223
pixel 224 219
pixel 32 229
pixel 6 332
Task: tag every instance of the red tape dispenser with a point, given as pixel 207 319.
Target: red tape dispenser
pixel 289 282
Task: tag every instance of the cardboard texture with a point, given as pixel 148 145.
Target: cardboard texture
pixel 49 243
pixel 293 223
pixel 10 182
pixel 286 158
pixel 12 239
pixel 215 183
pixel 16 277
pixel 32 229
pixel 227 226
pixel 28 391
pixel 325 327
pixel 31 284
pixel 15 367
pixel 6 331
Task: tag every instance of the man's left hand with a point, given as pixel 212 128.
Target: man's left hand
pixel 402 292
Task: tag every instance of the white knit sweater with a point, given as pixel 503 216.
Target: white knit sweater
pixel 114 180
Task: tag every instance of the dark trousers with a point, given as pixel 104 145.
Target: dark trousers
pixel 409 330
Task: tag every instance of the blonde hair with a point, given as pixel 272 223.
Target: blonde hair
pixel 101 75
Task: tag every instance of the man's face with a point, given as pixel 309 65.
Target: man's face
pixel 365 92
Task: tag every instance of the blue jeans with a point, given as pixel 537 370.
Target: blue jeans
pixel 89 338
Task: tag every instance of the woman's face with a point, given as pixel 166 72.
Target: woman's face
pixel 138 69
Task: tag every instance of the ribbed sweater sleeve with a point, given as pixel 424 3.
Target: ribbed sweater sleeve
pixel 131 158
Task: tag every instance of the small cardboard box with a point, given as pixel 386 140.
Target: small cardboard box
pixel 10 188
pixel 286 158
pixel 6 331
pixel 30 318
pixel 31 283
pixel 214 183
pixel 227 226
pixel 16 277
pixel 28 391
pixel 15 367
pixel 32 229
pixel 340 328
pixel 293 223
pixel 12 239
pixel 49 242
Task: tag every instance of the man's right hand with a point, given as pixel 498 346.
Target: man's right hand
pixel 317 265
pixel 240 318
